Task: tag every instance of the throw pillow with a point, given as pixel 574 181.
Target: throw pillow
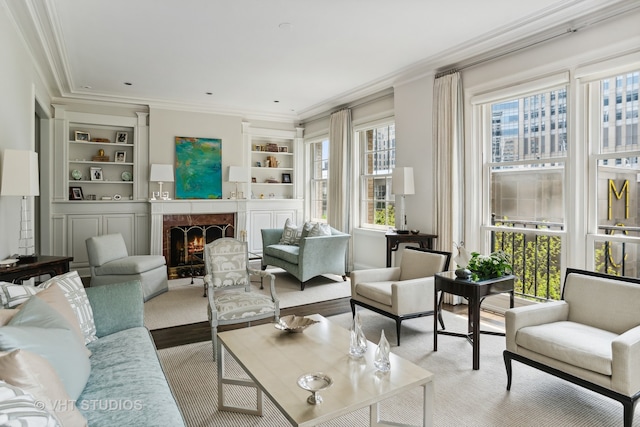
pixel 12 295
pixel 320 229
pixel 73 290
pixel 34 374
pixel 306 228
pixel 39 328
pixel 54 296
pixel 6 314
pixel 290 233
pixel 19 408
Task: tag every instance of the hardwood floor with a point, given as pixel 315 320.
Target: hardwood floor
pixel 197 332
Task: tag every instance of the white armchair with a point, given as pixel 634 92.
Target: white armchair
pixel 590 338
pixel 400 293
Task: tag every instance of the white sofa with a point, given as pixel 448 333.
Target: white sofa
pixel 591 337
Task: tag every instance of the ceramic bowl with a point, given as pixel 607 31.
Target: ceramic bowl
pixel 415 231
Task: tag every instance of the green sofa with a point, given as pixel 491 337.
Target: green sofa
pixel 127 385
pixel 312 257
pixel 63 343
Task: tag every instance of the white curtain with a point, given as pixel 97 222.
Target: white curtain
pixel 342 180
pixel 448 140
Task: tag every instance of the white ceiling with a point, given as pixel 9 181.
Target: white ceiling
pixel 331 52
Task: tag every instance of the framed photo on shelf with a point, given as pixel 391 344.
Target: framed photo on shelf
pixel 286 178
pixel 121 157
pixel 253 179
pixel 283 149
pixel 121 137
pixel 96 174
pixel 75 193
pixel 82 136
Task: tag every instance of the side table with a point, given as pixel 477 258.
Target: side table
pixel 394 239
pixel 475 293
pixel 44 264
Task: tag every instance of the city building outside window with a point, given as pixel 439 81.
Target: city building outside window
pixel 378 158
pixel 319 174
pixel 614 175
pixel 525 179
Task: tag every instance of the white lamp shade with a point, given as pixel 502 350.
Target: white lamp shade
pixel 20 173
pixel 161 173
pixel 402 181
pixel 238 174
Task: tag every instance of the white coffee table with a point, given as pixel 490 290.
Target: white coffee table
pixel 274 360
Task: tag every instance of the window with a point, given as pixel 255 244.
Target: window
pixel 614 177
pixel 319 174
pixel 378 149
pixel 524 178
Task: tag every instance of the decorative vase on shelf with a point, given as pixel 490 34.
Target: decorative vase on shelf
pixel 357 340
pixel 381 361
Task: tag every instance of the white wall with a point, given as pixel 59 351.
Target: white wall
pixel 20 85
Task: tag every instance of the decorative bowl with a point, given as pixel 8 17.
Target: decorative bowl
pixel 293 323
pixel 314 382
pixel 415 231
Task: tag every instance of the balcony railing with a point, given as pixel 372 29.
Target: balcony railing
pixel 536 256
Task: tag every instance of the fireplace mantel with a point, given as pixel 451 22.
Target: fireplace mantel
pixel 159 208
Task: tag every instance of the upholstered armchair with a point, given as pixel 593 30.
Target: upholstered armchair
pixel 403 292
pixel 591 337
pixel 228 284
pixel 109 262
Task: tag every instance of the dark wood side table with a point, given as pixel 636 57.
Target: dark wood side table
pixel 394 239
pixel 475 293
pixel 44 264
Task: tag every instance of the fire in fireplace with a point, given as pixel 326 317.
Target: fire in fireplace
pixel 185 238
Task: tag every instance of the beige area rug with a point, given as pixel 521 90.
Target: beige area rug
pixel 463 397
pixel 184 304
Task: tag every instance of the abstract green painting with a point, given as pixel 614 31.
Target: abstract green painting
pixel 198 168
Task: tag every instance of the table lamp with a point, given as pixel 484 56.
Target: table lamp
pixel 238 174
pixel 161 174
pixel 402 184
pixel 20 178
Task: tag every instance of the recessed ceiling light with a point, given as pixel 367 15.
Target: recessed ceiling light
pixel 128 84
pixel 209 93
pixel 276 101
pixel 285 26
pixel 86 87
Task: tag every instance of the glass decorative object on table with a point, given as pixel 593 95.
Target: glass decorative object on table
pixel 155 195
pixel 357 340
pixel 381 361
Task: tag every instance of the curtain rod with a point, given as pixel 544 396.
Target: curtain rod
pixel 570 30
pixel 343 106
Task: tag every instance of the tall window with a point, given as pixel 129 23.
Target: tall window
pixel 525 178
pixel 378 148
pixel 615 175
pixel 319 174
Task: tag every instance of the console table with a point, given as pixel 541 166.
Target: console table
pixel 44 264
pixel 394 239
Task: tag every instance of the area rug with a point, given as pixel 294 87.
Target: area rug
pixel 184 304
pixel 463 397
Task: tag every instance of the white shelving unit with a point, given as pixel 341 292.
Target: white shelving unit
pixel 116 179
pixel 272 172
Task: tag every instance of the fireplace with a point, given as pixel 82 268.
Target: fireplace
pixel 184 238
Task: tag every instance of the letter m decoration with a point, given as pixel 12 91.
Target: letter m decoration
pixel 613 191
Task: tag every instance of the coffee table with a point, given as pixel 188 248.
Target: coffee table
pixel 275 359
